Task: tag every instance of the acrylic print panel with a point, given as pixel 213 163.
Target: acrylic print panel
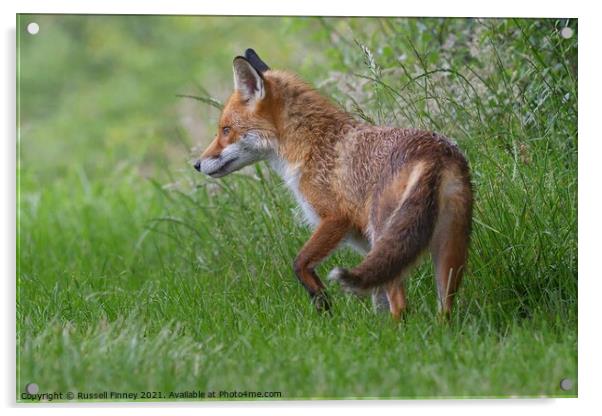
pixel 141 279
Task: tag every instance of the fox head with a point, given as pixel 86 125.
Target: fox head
pixel 246 133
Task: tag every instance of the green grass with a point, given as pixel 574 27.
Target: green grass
pixel 137 274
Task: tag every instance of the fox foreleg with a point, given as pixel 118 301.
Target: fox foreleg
pixel 326 237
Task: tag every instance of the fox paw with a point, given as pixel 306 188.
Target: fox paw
pixel 321 302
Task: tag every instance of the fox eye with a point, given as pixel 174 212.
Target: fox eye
pixel 226 130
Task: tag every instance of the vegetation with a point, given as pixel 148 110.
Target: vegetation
pixel 136 273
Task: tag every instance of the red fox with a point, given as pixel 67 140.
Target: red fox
pixel 392 193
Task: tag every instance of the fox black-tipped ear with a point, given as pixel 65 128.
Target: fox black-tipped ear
pixel 247 80
pixel 256 61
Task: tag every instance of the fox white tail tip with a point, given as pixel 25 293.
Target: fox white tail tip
pixel 346 280
pixel 336 274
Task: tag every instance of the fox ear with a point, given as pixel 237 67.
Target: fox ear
pixel 256 61
pixel 247 81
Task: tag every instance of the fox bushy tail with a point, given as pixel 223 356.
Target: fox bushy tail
pixel 406 233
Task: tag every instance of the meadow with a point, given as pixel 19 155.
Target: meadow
pixel 135 273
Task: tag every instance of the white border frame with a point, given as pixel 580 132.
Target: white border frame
pixel 589 175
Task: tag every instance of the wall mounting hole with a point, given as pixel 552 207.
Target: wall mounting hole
pixel 33 28
pixel 566 384
pixel 566 32
pixel 32 388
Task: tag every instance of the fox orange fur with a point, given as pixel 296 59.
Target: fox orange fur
pixel 392 193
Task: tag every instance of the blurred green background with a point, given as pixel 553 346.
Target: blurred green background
pixel 119 77
pixel 137 273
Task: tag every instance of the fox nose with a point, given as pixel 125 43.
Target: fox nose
pixel 197 165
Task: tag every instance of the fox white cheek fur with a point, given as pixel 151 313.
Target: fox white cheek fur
pixel 249 149
pixel 215 164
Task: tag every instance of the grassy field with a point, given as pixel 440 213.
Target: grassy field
pixel 135 273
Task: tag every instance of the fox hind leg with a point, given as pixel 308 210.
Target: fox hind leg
pixel 449 245
pixel 397 298
pixel 450 262
pixel 390 297
pixel 379 299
